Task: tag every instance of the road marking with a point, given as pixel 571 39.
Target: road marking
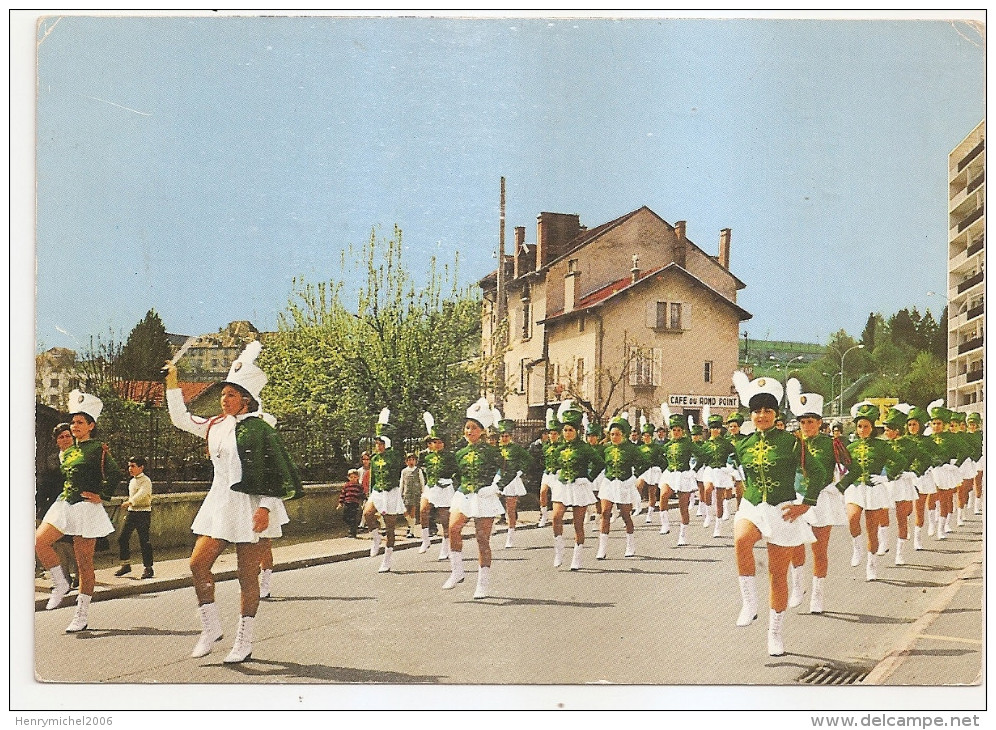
pixel 884 669
pixel 951 638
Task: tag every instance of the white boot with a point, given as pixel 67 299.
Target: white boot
pixel 949 522
pixel 79 621
pixel 426 541
pixel 603 546
pixel 650 512
pixel 385 564
pixel 509 537
pixel 682 534
pixel 917 542
pixel 243 642
pixel 728 505
pixel 265 576
pixel 456 571
pixel 709 516
pixel 776 645
pixel 797 591
pixel 542 521
pixel 748 594
pixel 576 560
pixel 375 545
pixel 978 504
pixel 483 578
pixel 444 549
pixel 856 551
pixel 961 517
pixel 871 572
pixel 717 528
pixel 816 600
pixel 940 532
pixel 210 630
pixel 630 544
pixel 558 551
pixel 931 522
pixel 60 587
pixel 899 551
pixel 700 510
pixel 883 535
pixel 665 522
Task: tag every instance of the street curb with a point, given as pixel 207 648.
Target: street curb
pixel 156 585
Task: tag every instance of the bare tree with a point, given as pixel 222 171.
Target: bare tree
pixel 607 382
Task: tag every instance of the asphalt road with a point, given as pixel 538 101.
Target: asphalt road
pixel 663 617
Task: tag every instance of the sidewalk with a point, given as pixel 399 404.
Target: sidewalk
pixel 172 574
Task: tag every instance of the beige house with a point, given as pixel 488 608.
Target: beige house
pixel 622 316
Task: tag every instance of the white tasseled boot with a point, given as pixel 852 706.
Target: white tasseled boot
pixel 444 549
pixel 650 514
pixel 871 566
pixel 210 630
pixel 883 536
pixel 385 564
pixel 728 507
pixel 456 571
pixel 576 559
pixel 961 517
pixel 243 642
pixel 776 621
pixel 977 509
pixel 931 522
pixel 710 515
pixel 665 522
pixel 426 541
pixel 79 621
pixel 816 600
pixel 265 578
pixel 509 537
pixel 797 591
pixel 717 528
pixel 949 522
pixel 603 546
pixel 630 545
pixel 899 551
pixel 748 594
pixel 60 587
pixel 917 541
pixel 558 551
pixel 856 551
pixel 375 544
pixel 700 510
pixel 483 580
pixel 542 521
pixel 940 532
pixel 682 534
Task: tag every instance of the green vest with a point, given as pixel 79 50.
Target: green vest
pixel 623 461
pixel 577 459
pixel 267 468
pixel 477 465
pixel 89 467
pixel 438 465
pixel 770 460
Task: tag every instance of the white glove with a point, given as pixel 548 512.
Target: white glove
pixel 879 479
pixel 489 491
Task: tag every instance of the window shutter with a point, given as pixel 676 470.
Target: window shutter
pixel 517 327
pixel 634 364
pixel 652 314
pixel 658 366
pixel 686 315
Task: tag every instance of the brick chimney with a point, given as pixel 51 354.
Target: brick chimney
pixel 679 250
pixel 572 287
pixel 554 231
pixel 519 266
pixel 724 248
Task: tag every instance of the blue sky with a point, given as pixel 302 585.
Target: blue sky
pixel 197 165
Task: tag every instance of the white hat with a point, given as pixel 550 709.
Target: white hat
pixel 803 404
pixel 245 373
pixel 748 388
pixel 480 411
pixel 80 402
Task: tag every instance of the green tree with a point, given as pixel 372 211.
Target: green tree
pixel 143 355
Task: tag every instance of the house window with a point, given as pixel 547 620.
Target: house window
pixel 527 320
pixel 645 366
pixel 674 316
pixel 522 375
pixel 707 371
pixel 53 400
pixel 669 316
pixel 579 373
pixel 580 324
pixel 54 382
pixel 572 266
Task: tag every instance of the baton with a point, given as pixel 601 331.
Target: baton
pixel 179 353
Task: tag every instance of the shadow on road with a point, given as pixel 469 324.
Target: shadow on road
pixel 136 631
pixel 941 652
pixel 259 668
pixel 498 601
pixel 290 599
pixel 632 571
pixel 866 618
pixel 911 583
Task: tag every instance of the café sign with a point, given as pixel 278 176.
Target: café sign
pixel 697 401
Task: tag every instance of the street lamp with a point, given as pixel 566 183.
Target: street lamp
pixel 785 363
pixel 840 405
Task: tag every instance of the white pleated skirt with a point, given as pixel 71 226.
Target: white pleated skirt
pixel 477 504
pixel 967 469
pixel 721 478
pixel 947 476
pixel 278 518
pixel 903 489
pixel 85 519
pixel 680 481
pixel 773 527
pixel 572 494
pixel 652 475
pixel 868 496
pixel 619 491
pixel 829 508
pixel 440 495
pixel 388 502
pixel 227 515
pixel 514 488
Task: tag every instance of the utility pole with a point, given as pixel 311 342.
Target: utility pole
pixel 501 306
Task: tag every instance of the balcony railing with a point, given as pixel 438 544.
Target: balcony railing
pixel 974 375
pixel 971 155
pixel 977 246
pixel 971 218
pixel 976 182
pixel 975 312
pixel 970 345
pixel 971 281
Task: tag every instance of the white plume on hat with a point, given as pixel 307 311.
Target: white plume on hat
pixel 934 404
pixel 665 413
pixel 549 416
pixel 904 408
pixel 748 428
pixel 706 412
pixel 429 422
pixel 691 422
pixel 643 422
pixel 856 406
pixel 567 405
pixel 747 388
pixel 385 416
pixel 800 403
pixel 480 411
pixel 495 415
pixel 244 371
pixel 80 402
pixel 585 422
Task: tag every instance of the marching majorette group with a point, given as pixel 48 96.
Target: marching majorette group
pixel 787 488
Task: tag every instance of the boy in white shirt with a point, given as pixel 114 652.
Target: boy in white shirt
pixel 139 517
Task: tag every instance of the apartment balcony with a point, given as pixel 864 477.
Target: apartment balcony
pixel 975 312
pixel 978 245
pixel 973 376
pixel 974 185
pixel 971 281
pixel 973 344
pixel 972 154
pixel 971 218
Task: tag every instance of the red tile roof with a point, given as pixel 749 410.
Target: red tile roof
pixel 142 390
